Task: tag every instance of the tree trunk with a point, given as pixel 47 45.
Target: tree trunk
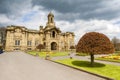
pixel 92 59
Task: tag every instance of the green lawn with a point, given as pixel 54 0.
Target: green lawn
pixel 82 54
pixel 32 53
pixel 52 54
pixel 111 71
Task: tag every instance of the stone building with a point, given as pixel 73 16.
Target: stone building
pixel 21 38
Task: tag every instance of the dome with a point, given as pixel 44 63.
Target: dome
pixel 50 14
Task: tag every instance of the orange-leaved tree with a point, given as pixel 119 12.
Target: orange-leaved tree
pixel 94 43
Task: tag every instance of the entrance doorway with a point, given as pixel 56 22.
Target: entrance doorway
pixel 53 46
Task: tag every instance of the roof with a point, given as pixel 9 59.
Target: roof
pixel 51 14
pixel 13 27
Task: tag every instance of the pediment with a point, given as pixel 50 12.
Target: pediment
pixel 18 30
pixel 53 29
pixel 56 29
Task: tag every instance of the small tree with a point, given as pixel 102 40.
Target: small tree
pixel 94 43
pixel 72 47
pixel 40 46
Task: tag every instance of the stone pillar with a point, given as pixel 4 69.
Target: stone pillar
pixel 48 46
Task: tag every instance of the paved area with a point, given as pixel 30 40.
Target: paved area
pixel 22 66
pixel 87 58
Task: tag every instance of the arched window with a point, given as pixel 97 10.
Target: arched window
pixel 51 20
pixel 53 34
pixel 45 44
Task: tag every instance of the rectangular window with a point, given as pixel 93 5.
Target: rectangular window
pixel 29 43
pixel 17 42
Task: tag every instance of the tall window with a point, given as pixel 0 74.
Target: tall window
pixel 36 43
pixel 53 34
pixel 29 43
pixel 45 44
pixel 51 20
pixel 17 42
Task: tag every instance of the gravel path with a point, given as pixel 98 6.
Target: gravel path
pixel 22 66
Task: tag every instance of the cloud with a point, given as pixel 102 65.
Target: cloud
pixel 82 9
pixel 67 10
pixel 14 8
pixel 80 27
pixel 4 18
pixel 67 6
pixel 32 19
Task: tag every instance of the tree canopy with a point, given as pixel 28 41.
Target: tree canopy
pixel 72 47
pixel 95 43
pixel 40 46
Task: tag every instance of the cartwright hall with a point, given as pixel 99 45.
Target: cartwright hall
pixel 21 38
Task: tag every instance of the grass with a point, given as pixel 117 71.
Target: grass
pixel 52 54
pixel 111 71
pixel 107 59
pixel 82 54
pixel 32 53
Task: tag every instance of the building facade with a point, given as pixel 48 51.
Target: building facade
pixel 2 37
pixel 21 38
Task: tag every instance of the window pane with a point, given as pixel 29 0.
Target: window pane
pixel 15 42
pixel 18 42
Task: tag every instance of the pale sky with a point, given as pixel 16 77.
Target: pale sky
pixel 78 16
